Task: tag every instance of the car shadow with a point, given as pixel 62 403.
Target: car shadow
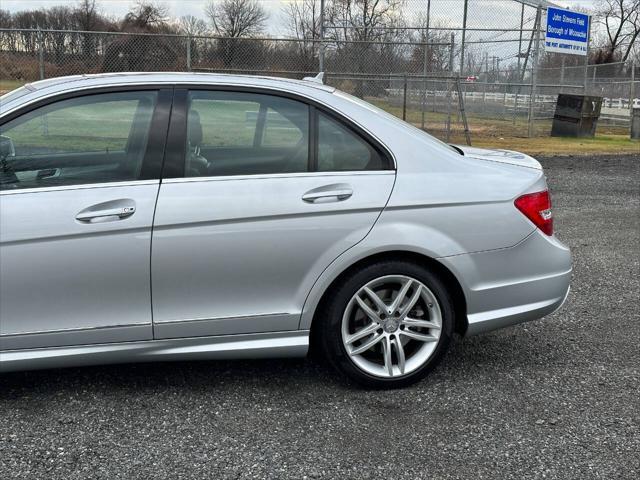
pixel 498 352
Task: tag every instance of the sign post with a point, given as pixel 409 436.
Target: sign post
pixel 567 32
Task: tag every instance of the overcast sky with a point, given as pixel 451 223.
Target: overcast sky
pixel 178 8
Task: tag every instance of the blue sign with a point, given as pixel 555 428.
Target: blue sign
pixel 567 32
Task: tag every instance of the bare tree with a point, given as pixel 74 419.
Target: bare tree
pixel 237 18
pixel 302 19
pixel 363 32
pixel 437 52
pixel 86 15
pixel 365 19
pixel 192 26
pixel 6 20
pixel 146 16
pixel 620 22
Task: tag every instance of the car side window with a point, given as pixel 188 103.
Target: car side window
pixel 242 133
pixel 341 149
pixel 91 139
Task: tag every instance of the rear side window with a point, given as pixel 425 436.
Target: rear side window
pixel 96 138
pixel 240 133
pixel 341 149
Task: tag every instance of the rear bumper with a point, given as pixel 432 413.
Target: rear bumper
pixel 513 285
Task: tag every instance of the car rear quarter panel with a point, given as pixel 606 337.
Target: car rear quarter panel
pixel 442 205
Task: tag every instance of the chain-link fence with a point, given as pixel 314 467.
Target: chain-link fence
pixel 436 63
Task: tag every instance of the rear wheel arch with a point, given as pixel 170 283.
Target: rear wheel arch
pixel 449 279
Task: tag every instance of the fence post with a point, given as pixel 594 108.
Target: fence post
pixel 321 51
pixel 632 89
pixel 425 61
pixel 404 99
pixel 463 113
pixel 188 53
pixel 40 40
pixel 449 88
pixel 586 60
pixel 534 70
pixel 464 31
pixel 504 100
pixel 562 73
pixel 515 100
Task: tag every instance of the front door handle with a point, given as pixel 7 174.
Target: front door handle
pixel 108 211
pixel 329 193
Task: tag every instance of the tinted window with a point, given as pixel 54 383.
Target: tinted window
pixel 341 149
pixel 97 138
pixel 235 133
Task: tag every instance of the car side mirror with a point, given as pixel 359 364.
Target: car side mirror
pixel 7 148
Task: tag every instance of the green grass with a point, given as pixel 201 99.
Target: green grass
pixel 233 123
pixel 601 144
pixel 507 134
pixel 82 128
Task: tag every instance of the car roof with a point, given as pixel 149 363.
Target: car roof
pixel 33 91
pixel 106 79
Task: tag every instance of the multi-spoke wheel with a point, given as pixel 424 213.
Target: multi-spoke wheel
pixel 391 326
pixel 388 324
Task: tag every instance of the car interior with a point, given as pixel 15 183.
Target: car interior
pixel 279 143
pixel 272 136
pixel 67 143
pixel 103 138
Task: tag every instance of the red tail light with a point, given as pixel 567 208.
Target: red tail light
pixel 537 208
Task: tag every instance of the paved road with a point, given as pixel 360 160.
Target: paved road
pixel 558 398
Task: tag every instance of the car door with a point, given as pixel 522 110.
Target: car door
pixel 79 178
pixel 263 192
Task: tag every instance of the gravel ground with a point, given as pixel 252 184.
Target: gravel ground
pixel 557 398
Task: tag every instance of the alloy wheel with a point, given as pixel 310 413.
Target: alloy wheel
pixel 391 326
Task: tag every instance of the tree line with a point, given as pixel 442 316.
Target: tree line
pixel 364 36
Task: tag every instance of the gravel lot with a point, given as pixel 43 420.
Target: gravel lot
pixel 558 398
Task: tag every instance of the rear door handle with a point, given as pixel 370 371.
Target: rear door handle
pixel 108 211
pixel 329 193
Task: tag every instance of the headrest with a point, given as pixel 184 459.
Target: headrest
pixel 194 128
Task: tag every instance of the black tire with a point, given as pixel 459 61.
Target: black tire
pixel 329 337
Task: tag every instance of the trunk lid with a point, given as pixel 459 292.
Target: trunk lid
pixel 501 156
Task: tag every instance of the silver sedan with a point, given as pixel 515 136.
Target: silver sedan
pixel 150 217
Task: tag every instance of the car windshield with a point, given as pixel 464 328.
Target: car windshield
pixel 381 112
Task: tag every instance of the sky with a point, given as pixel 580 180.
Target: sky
pixel 118 8
pixel 444 13
pixel 179 8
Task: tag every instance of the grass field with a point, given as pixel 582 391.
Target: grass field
pixel 496 133
pixel 79 128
